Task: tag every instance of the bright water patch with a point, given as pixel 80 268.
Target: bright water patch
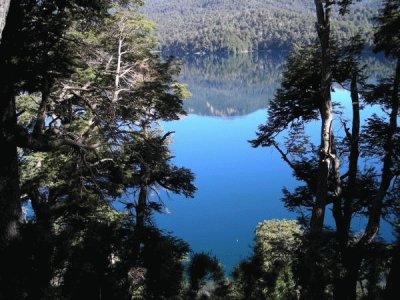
pixel 238 186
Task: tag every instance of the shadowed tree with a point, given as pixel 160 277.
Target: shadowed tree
pixel 83 91
pixel 203 270
pixel 354 191
pixel 34 52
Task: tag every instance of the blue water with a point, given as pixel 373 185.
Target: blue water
pixel 238 186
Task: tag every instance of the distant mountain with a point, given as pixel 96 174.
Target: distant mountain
pixel 190 26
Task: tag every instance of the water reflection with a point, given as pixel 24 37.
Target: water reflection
pixel 235 85
pixel 231 85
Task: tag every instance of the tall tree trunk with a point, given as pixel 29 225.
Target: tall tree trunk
pixel 10 206
pixel 326 112
pixel 140 220
pixel 4 6
pixel 373 278
pixel 375 212
pixel 354 256
pixel 141 205
pixel 353 160
pixel 345 286
pixel 315 282
pixel 338 193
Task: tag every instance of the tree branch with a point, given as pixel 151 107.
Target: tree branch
pixel 46 143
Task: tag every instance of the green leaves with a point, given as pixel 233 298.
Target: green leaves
pixel 387 35
pixel 298 97
pixel 271 272
pixel 190 26
pixel 277 240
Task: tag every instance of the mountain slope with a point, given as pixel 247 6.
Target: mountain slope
pixel 246 25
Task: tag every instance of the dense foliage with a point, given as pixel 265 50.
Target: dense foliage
pixel 190 26
pixel 83 104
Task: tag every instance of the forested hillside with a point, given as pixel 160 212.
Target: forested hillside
pixel 239 25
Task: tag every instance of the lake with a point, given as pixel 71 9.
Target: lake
pixel 238 186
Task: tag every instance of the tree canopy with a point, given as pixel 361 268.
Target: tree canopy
pixel 190 26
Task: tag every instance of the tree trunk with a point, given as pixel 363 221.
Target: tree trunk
pixel 38 129
pixel 4 6
pixel 353 261
pixel 10 206
pixel 338 193
pixel 373 278
pixel 140 220
pixel 392 290
pixel 141 207
pixel 375 212
pixel 353 257
pixel 326 112
pixel 42 250
pixel 353 160
pixel 315 281
pixel 345 284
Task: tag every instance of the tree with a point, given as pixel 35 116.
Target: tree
pixel 296 103
pixel 201 269
pixel 147 163
pixel 355 191
pixel 86 92
pixel 4 6
pixel 41 54
pixel 386 94
pixel 387 40
pixel 328 160
pixel 33 54
pixel 271 272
